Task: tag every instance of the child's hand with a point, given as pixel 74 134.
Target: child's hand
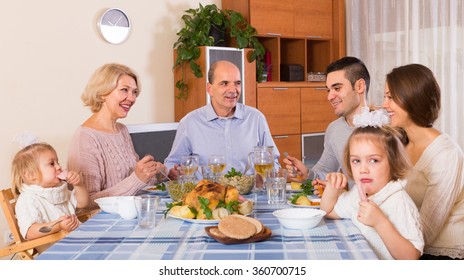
pixel 319 186
pixel 336 180
pixel 370 213
pixel 73 178
pixel 69 222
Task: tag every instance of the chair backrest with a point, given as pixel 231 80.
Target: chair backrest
pixel 24 248
pixel 8 202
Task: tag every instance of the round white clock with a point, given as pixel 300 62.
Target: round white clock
pixel 114 26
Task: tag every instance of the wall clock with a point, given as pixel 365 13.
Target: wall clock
pixel 114 26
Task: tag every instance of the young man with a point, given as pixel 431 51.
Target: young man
pixel 223 126
pixel 347 83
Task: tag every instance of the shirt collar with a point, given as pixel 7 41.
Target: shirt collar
pixel 387 191
pixel 211 114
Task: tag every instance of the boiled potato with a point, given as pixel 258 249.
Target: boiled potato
pixel 303 200
pixel 295 185
pixel 175 211
pixel 185 212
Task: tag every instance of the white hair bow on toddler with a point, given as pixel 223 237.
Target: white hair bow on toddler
pixel 376 118
pixel 25 139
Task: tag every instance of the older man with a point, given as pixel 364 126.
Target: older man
pixel 223 126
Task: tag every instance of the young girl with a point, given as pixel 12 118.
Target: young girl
pixel 44 197
pixel 381 209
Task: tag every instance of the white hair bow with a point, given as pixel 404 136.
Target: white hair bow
pixel 376 118
pixel 25 139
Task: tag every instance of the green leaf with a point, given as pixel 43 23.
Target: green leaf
pixel 161 187
pixel 307 187
pixel 204 206
pixel 232 206
pixel 233 173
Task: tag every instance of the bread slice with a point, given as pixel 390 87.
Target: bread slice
pixel 259 226
pixel 216 232
pixel 236 227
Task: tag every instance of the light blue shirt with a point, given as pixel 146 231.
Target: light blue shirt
pixel 203 133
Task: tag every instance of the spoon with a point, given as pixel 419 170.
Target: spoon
pixel 48 229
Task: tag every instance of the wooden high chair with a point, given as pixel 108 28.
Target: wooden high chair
pixel 26 249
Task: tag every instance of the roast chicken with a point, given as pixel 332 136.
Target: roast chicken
pixel 212 191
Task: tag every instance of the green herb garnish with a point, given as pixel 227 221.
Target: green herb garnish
pixel 204 206
pixel 307 187
pixel 194 211
pixel 232 206
pixel 233 173
pixel 161 187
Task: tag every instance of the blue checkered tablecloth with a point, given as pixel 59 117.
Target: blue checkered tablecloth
pixel 109 237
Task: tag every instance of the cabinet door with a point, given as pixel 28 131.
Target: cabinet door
pixel 313 18
pixel 316 111
pixel 290 144
pixel 281 106
pixel 272 17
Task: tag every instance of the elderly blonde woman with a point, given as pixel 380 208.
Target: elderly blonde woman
pixel 101 149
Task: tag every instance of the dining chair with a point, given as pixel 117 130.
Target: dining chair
pixel 26 249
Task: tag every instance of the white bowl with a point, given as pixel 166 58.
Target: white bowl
pixel 299 218
pixel 111 204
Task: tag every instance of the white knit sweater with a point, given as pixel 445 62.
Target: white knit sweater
pixel 436 185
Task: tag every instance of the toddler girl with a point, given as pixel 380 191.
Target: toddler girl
pixel 44 196
pixel 378 204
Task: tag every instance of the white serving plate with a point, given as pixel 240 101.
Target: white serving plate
pixel 194 221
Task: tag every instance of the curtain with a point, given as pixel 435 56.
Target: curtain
pixel 389 33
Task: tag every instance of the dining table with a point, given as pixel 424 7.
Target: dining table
pixel 107 236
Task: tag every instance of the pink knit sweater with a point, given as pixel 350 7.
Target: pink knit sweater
pixel 105 161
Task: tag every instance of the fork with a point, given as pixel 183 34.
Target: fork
pixel 295 170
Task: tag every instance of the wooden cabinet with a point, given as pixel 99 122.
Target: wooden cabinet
pixel 281 21
pixel 316 111
pixel 294 110
pixel 287 18
pixel 281 106
pixel 310 33
pixel 197 95
pixel 290 144
pixel 313 18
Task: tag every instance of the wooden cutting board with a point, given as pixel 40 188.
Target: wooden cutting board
pixel 228 241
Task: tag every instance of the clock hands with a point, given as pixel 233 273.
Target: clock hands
pixel 115 24
pixel 118 20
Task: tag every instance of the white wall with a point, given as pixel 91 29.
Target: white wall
pixel 49 49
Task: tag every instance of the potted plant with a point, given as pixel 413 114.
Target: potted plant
pixel 200 23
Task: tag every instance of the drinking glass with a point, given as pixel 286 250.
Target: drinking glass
pixel 146 210
pixel 275 182
pixel 217 164
pixel 189 165
pixel 262 159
